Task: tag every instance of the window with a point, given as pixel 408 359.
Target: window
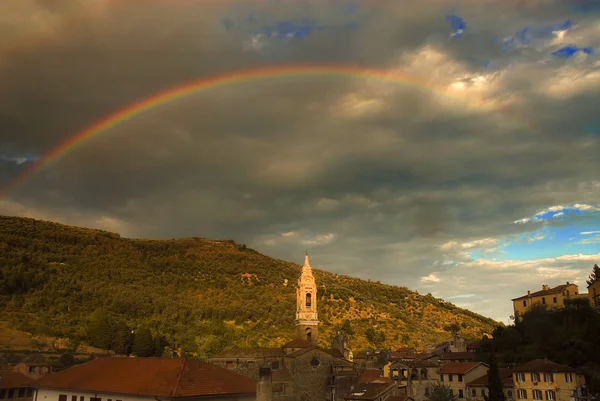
pixel 554 300
pixel 509 393
pixel 308 299
pixel 32 369
pixel 29 392
pixel 21 393
pixel 522 394
pixel 483 392
pixel 426 391
pixel 2 393
pixel 315 362
pixel 550 395
pixel 61 397
pixel 450 378
pixel 473 392
pixel 568 378
pixel 95 399
pixel 73 398
pixel 82 398
pixel 537 394
pixel 535 377
pixel 520 377
pixel 460 378
pixel 229 364
pixel 460 394
pixel 524 303
pixel 441 378
pixel 548 377
pixel 11 393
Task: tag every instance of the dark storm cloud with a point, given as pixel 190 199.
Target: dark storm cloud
pixel 375 177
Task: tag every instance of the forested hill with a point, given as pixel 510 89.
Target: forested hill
pixel 200 295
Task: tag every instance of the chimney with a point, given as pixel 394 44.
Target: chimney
pixel 528 292
pixel 545 287
pixel 567 283
pixel 264 390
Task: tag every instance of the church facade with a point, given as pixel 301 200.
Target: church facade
pixel 298 370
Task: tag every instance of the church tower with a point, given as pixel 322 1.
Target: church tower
pixel 307 322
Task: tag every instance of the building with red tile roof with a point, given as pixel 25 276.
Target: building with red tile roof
pixel 15 385
pixel 145 378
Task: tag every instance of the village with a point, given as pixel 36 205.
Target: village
pixel 302 371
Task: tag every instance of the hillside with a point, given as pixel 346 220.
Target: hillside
pixel 200 295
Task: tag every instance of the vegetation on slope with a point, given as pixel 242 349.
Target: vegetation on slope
pixel 196 295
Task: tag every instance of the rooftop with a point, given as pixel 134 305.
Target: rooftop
pixel 458 368
pixel 156 377
pixel 543 365
pixel 546 291
pixel 10 379
pixel 482 381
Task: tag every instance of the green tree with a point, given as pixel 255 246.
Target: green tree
pixel 143 343
pixel 594 276
pixel 347 328
pixel 100 330
pixel 440 392
pixel 495 383
pixel 122 339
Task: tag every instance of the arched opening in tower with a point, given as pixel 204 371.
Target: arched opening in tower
pixel 308 296
pixel 308 335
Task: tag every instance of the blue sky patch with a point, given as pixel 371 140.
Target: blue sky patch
pixel 457 24
pixel 570 51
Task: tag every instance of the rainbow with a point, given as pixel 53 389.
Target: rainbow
pixel 147 104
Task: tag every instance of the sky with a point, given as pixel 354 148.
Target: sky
pixel 475 179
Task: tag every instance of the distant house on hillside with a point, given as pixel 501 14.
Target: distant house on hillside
pixel 150 379
pixel 15 386
pixel 454 344
pixel 551 298
pixel 33 370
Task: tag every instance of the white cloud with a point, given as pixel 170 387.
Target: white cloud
pixel 432 278
pixel 320 239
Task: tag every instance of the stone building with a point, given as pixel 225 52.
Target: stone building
pixel 415 376
pixel 298 370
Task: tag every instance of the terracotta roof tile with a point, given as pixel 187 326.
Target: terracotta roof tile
pixel 453 356
pixel 459 368
pixel 9 379
pixel 556 290
pixel 482 381
pixel 543 365
pixel 417 364
pixel 150 376
pixel 369 375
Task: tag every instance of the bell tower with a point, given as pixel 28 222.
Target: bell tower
pixel 307 322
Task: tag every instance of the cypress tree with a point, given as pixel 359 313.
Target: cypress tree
pixel 495 383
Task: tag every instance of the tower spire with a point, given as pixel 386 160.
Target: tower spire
pixel 307 322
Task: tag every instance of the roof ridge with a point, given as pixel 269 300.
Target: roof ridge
pixel 178 377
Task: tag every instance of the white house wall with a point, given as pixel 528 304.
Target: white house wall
pixel 52 395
